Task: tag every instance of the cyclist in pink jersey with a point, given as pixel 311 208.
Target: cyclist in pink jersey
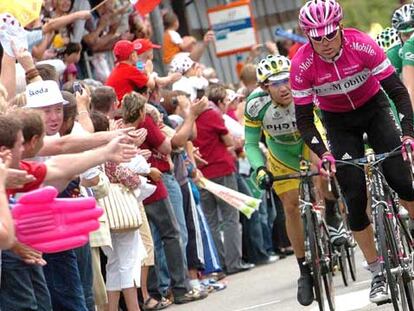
pixel 346 73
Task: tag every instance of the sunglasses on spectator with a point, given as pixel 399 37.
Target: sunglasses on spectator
pixel 278 82
pixel 329 37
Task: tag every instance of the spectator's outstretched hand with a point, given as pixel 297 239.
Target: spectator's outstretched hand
pixel 209 36
pixel 198 106
pixel 272 47
pixel 5 160
pixel 82 100
pixel 85 14
pixel 29 255
pixel 174 77
pixel 146 153
pixel 48 224
pixel 18 178
pixel 120 152
pixel 138 136
pixel 23 56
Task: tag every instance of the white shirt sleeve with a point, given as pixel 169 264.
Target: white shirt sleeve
pixel 175 37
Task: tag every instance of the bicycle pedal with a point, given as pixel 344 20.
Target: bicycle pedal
pixel 383 302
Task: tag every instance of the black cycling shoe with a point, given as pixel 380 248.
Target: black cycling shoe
pixel 305 290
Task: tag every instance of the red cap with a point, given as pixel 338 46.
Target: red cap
pixel 143 45
pixel 123 49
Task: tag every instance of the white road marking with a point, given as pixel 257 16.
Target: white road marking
pixel 260 305
pixel 350 301
pixel 363 282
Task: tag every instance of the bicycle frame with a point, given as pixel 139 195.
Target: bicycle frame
pixel 318 250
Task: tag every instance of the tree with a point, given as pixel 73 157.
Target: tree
pixel 362 13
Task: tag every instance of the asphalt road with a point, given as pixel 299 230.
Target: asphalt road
pixel 273 287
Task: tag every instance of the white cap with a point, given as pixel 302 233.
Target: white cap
pixel 41 94
pixel 232 95
pixel 181 63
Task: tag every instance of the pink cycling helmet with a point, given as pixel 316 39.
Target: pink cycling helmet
pixel 320 17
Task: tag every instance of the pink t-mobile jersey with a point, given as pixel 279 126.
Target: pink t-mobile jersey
pixel 347 82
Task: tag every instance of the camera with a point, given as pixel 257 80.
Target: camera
pixel 77 87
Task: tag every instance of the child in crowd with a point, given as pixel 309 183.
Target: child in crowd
pixel 71 57
pixel 173 43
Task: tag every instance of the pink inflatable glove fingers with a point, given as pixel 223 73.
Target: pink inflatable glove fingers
pixel 82 216
pixel 53 225
pixel 75 205
pixel 82 229
pixel 42 195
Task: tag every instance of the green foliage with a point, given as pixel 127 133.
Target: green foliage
pixel 362 13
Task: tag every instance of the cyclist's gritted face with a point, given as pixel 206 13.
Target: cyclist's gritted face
pixel 279 91
pixel 404 36
pixel 329 45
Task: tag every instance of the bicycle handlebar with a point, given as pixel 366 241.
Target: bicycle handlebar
pixel 376 158
pixel 298 175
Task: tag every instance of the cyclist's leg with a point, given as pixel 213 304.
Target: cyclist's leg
pixel 384 136
pixel 346 144
pixel 287 190
pixel 337 233
pixel 293 220
pixel 289 195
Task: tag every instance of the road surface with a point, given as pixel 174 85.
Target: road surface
pixel 273 287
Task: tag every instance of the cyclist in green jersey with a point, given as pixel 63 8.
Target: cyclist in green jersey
pixel 270 109
pixel 403 22
pixel 389 41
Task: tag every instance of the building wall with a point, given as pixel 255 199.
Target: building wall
pixel 268 15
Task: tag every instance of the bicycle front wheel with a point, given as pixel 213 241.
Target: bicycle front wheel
pixel 327 271
pixel 311 227
pixel 388 254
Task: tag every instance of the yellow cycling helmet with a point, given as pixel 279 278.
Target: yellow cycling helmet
pixel 272 66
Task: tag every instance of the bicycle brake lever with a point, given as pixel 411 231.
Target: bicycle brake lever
pixel 327 167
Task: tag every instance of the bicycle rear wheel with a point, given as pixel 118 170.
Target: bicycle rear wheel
pixel 343 265
pixel 407 274
pixel 388 254
pixel 409 293
pixel 350 254
pixel 311 227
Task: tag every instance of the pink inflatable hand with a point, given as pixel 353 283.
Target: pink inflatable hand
pixel 53 225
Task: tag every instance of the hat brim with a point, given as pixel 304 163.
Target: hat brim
pixel 279 77
pixel 63 102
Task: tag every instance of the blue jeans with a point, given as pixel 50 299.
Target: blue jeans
pixel 176 199
pixel 253 241
pixel 64 281
pixel 161 216
pixel 267 215
pixel 23 286
pixel 84 259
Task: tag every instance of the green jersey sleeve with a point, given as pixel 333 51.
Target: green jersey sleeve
pixel 408 53
pixel 253 116
pixel 393 55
